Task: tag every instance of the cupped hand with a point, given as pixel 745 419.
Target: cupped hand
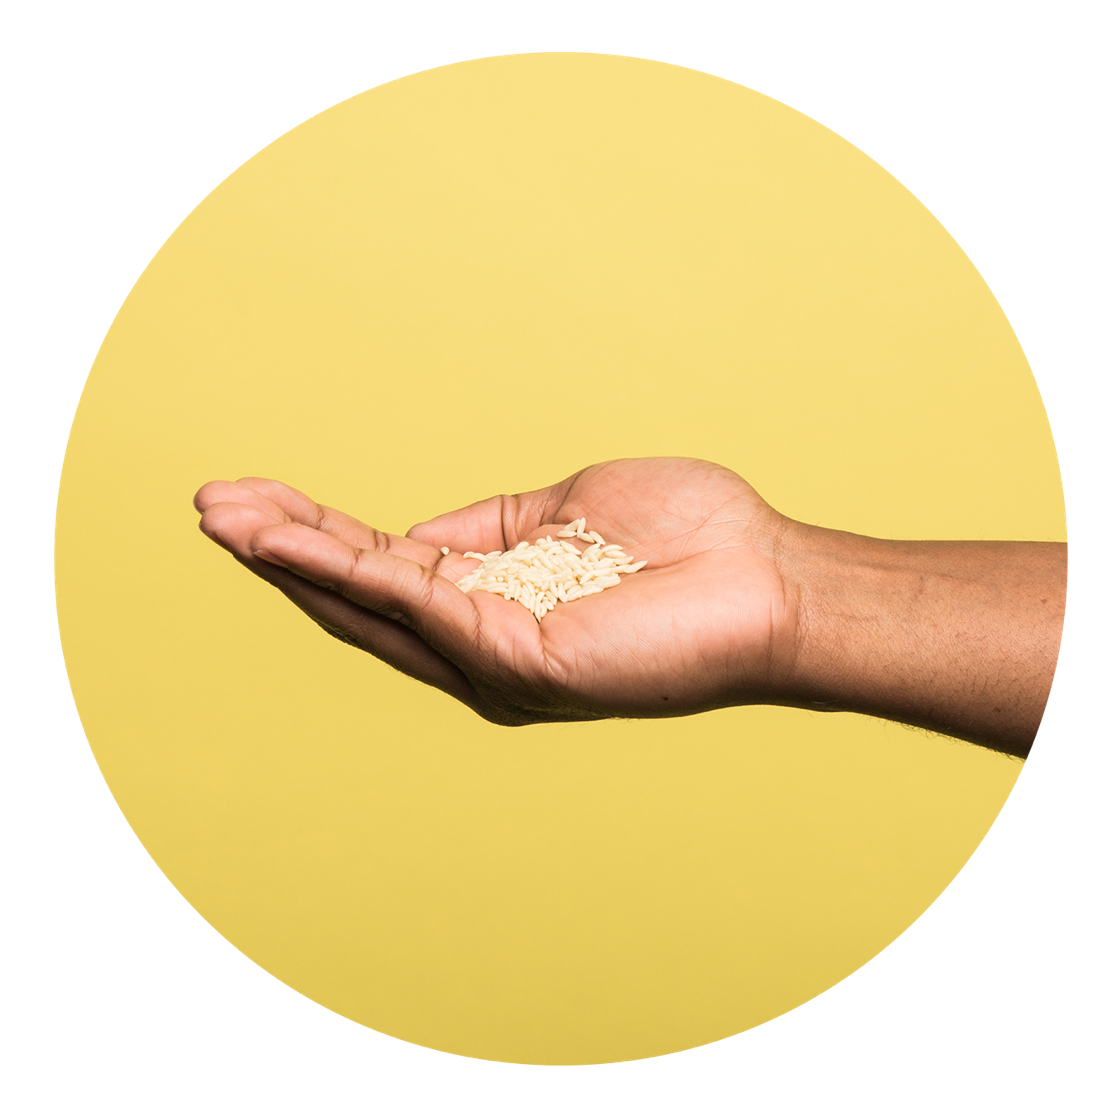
pixel 709 622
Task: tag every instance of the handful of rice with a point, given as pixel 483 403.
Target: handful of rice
pixel 539 575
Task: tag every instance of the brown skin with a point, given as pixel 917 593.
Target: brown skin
pixel 738 605
pixel 957 637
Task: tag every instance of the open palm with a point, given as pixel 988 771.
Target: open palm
pixel 705 624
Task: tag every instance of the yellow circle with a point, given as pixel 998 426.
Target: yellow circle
pixel 479 279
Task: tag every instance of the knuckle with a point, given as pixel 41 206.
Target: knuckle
pixel 354 571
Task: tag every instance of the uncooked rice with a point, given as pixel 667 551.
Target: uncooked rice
pixel 540 575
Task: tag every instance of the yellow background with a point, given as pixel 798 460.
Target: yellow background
pixel 479 279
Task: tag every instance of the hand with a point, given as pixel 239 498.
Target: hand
pixel 709 621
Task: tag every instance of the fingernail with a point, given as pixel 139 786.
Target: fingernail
pixel 267 556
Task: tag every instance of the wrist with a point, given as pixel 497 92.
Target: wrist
pixel 956 637
pixel 845 589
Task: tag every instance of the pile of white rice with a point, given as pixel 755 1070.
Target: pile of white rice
pixel 540 575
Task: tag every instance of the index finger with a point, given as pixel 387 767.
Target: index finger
pixel 301 509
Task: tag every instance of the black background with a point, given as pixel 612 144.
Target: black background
pixel 134 976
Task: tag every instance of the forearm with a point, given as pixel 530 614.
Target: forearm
pixel 956 637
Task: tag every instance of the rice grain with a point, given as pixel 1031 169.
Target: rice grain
pixel 539 575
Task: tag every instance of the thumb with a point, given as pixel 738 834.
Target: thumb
pixel 482 526
pixel 495 524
